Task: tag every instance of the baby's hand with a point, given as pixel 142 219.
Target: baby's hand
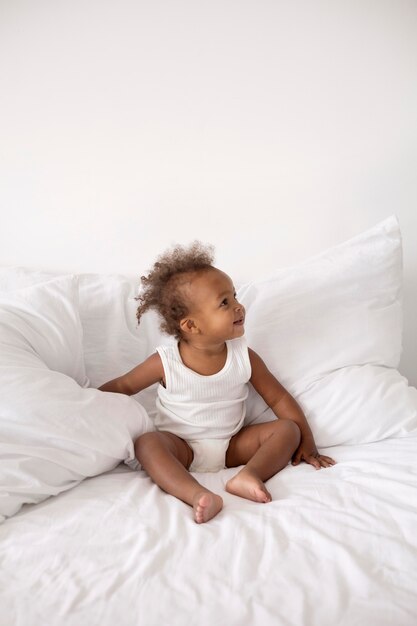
pixel 308 453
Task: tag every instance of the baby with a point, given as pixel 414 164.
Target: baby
pixel 203 385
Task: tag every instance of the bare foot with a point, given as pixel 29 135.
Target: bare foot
pixel 249 486
pixel 206 505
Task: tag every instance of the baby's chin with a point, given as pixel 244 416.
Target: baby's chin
pixel 238 330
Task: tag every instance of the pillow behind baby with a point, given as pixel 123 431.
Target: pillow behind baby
pixel 113 341
pixel 330 330
pixel 53 432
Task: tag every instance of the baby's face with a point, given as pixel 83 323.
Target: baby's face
pixel 215 311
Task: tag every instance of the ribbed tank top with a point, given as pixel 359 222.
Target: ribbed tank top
pixel 194 406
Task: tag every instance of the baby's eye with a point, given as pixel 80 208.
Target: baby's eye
pixel 224 302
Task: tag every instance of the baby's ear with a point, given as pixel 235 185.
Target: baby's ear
pixel 187 326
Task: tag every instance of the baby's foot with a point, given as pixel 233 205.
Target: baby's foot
pixel 206 505
pixel 249 486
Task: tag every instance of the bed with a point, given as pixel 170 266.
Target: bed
pixel 87 538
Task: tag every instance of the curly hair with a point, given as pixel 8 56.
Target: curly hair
pixel 162 289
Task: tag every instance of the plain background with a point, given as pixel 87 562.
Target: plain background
pixel 271 129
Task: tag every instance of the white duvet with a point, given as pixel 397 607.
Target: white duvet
pixel 335 547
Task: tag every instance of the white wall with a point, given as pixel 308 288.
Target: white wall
pixel 271 128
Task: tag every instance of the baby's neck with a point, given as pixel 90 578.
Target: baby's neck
pixel 203 359
pixel 202 348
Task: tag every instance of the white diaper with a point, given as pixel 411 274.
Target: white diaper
pixel 209 454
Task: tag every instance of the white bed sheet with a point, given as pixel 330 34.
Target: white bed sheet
pixel 335 547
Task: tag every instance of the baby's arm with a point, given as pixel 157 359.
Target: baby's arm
pixel 285 407
pixel 143 375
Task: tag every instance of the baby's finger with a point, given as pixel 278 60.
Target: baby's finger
pixel 314 460
pixel 324 463
pixel 326 459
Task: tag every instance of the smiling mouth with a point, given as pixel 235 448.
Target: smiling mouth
pixel 239 322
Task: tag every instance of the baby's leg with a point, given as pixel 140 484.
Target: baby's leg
pixel 166 459
pixel 265 449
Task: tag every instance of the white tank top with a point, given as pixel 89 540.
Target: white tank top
pixel 193 406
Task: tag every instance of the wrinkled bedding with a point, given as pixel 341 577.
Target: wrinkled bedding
pixel 336 546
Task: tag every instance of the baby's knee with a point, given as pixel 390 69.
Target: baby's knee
pixel 144 444
pixel 292 431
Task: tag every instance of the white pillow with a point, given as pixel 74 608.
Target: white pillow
pixel 54 433
pixel 340 308
pixel 15 277
pixel 40 326
pixel 113 341
pixel 352 405
pixel 330 330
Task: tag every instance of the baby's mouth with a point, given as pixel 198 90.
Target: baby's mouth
pixel 239 322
